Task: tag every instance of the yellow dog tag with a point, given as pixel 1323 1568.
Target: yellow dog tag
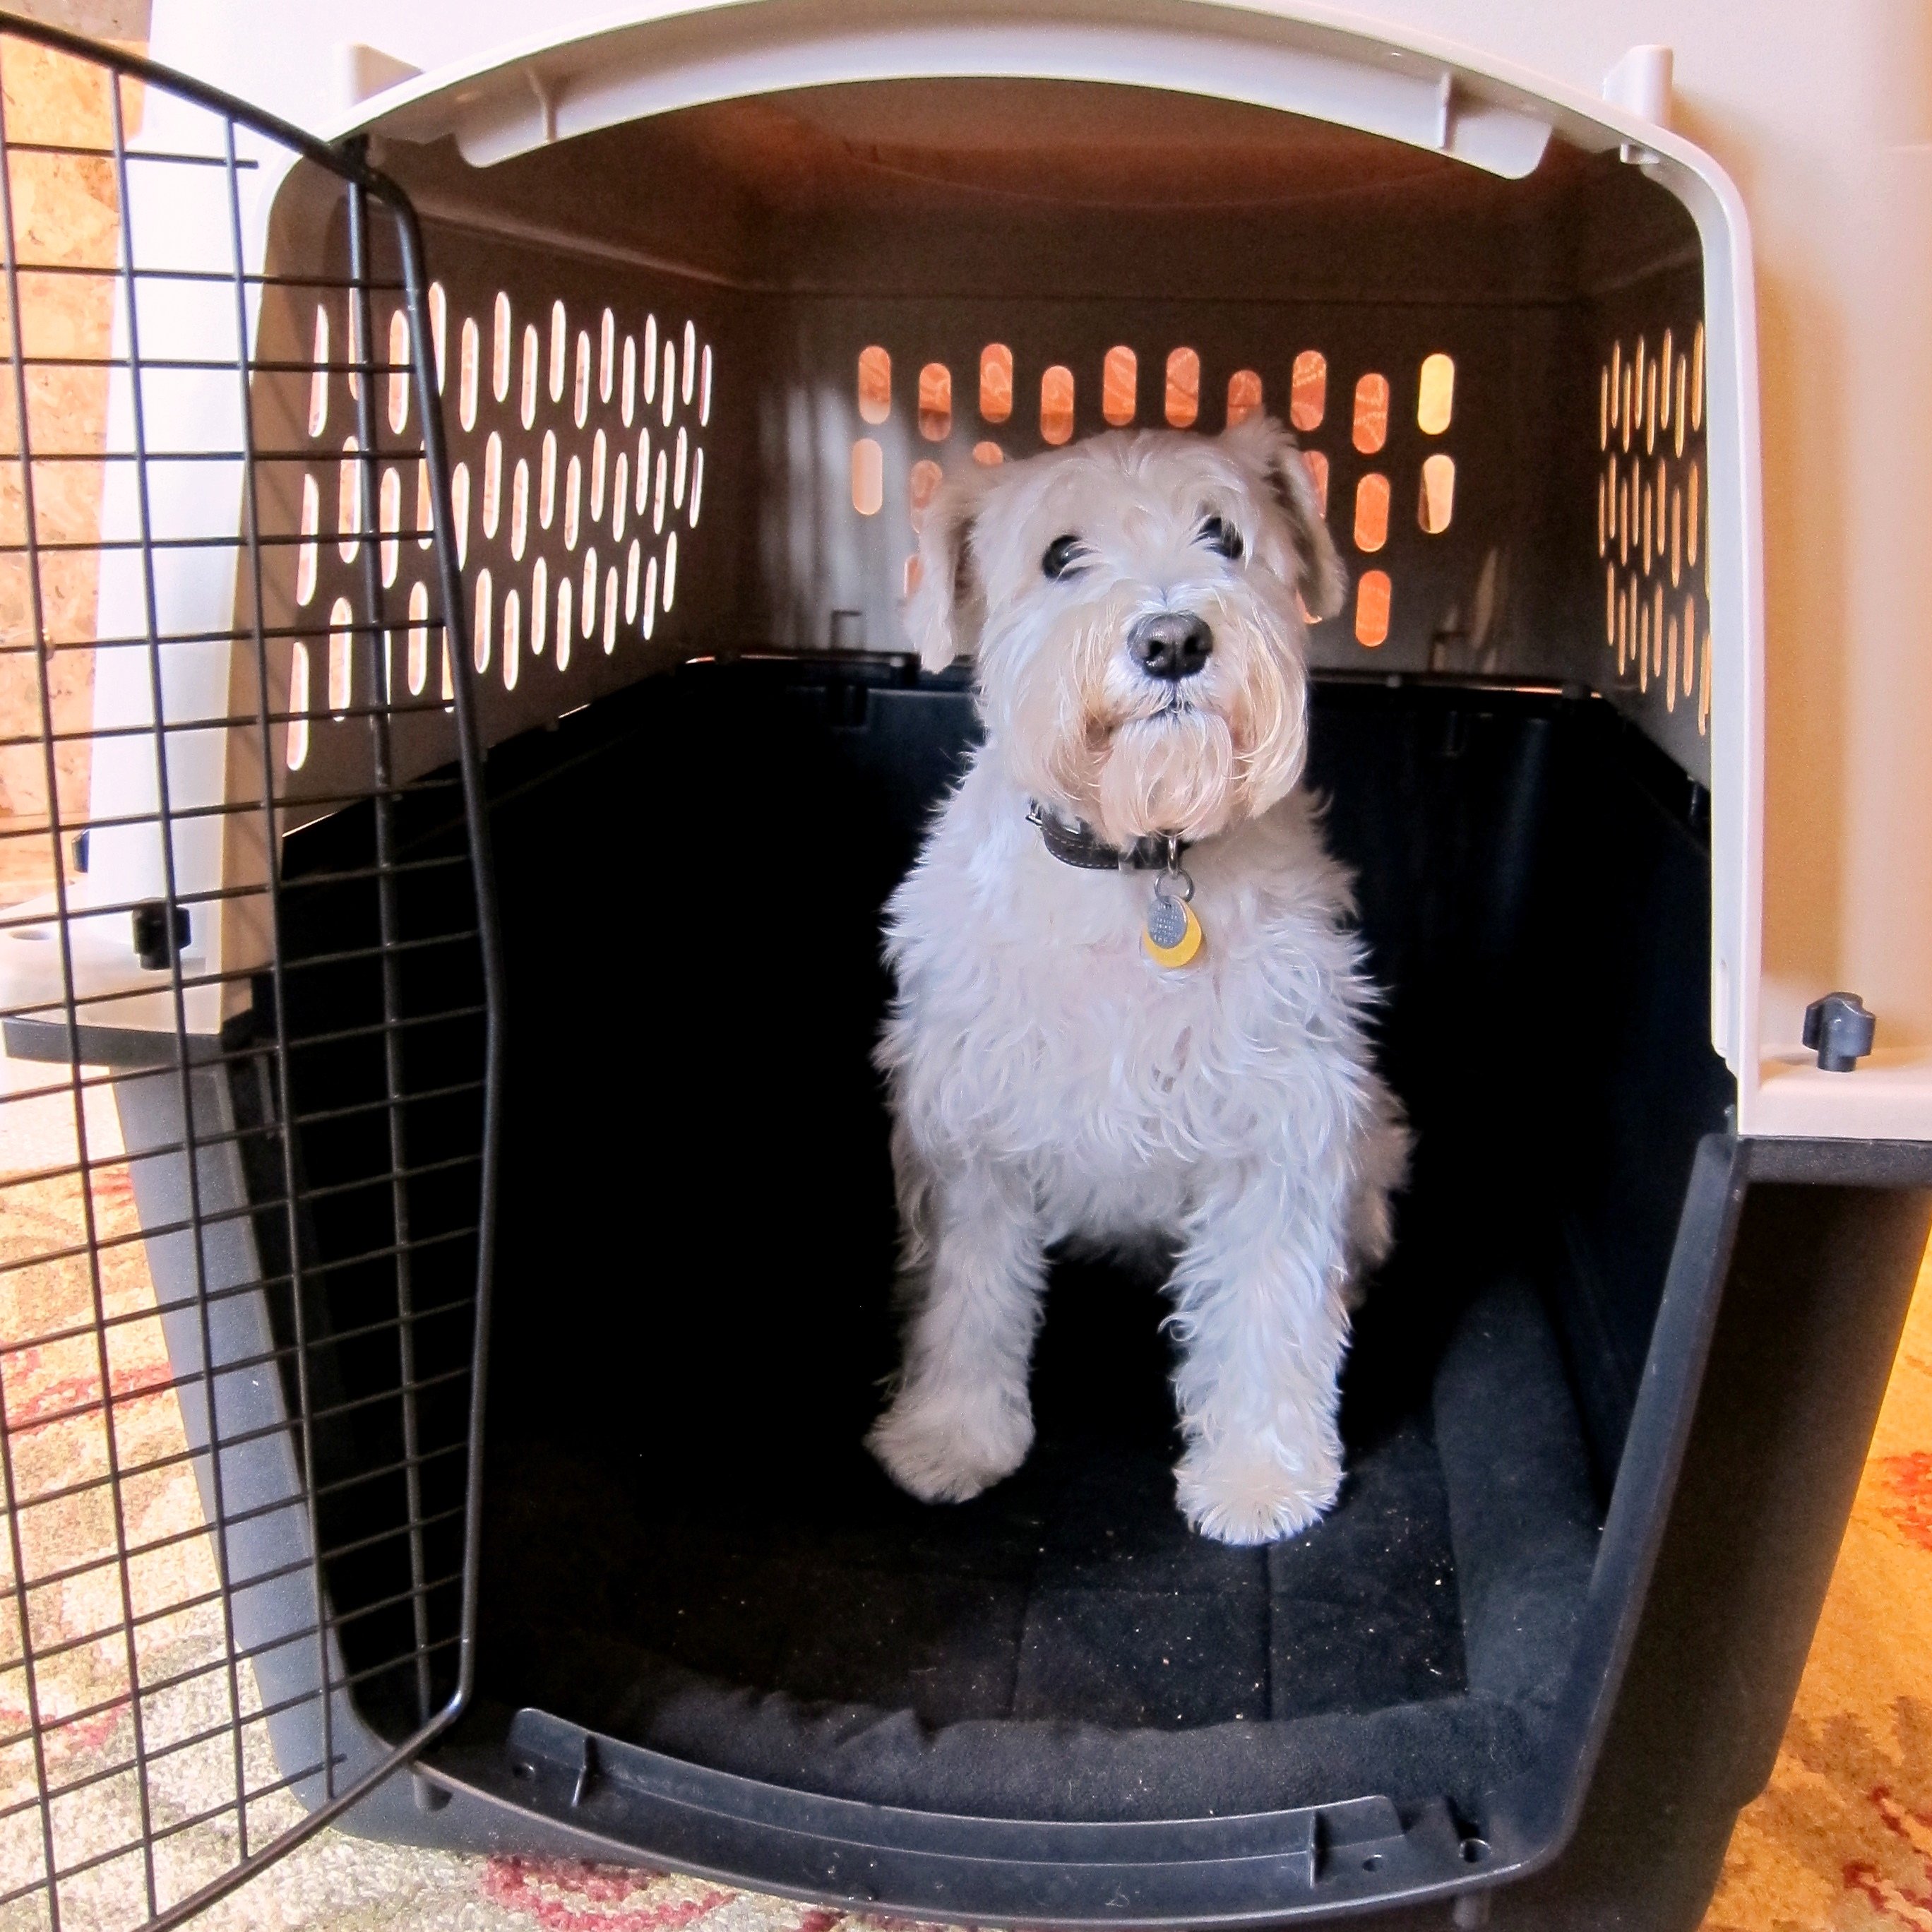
pixel 1173 935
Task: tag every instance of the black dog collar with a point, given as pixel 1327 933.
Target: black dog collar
pixel 1079 845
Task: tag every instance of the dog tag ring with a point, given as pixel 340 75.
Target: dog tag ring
pixel 1173 935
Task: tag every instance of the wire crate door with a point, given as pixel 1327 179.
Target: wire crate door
pixel 249 992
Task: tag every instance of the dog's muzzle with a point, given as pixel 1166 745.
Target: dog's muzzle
pixel 1171 645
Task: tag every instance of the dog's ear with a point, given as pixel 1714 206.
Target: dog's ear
pixel 943 614
pixel 1263 445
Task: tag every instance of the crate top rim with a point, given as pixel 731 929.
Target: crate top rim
pixel 513 95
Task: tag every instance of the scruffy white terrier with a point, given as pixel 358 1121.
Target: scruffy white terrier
pixel 1130 1005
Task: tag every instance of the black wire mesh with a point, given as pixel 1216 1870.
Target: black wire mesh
pixel 247 988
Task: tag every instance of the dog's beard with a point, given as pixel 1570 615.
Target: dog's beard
pixel 1088 731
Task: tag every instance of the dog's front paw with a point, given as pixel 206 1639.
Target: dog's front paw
pixel 944 1447
pixel 1238 1495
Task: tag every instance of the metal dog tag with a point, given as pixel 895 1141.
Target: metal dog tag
pixel 1173 935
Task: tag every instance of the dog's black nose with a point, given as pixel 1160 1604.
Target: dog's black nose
pixel 1172 644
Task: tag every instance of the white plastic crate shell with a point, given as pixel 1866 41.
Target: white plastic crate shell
pixel 497 118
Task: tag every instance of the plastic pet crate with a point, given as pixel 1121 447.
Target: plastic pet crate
pixel 454 555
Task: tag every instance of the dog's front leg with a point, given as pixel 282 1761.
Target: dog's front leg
pixel 1260 1313
pixel 960 1418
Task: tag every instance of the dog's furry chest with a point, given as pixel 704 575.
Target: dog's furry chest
pixel 1031 1025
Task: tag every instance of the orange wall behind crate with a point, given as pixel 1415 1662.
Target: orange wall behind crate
pixel 64 211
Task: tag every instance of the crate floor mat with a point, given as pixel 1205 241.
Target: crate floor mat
pixel 1064 1645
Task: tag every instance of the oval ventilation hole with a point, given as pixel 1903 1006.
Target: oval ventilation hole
pixel 1670 668
pixel 1627 418
pixel 643 472
pixel 704 389
pixel 1184 388
pixel 996 382
pixel 657 497
pixel 670 571
pixel 501 337
pixel 1638 369
pixel 1609 604
pixel 467 373
pixel 633 573
pixel 306 558
pixel 438 327
pixel 1056 404
pixel 1435 394
pixel 669 398
pixel 493 483
pixel 1372 509
pixel 1676 537
pixel 580 402
pixel 1371 608
pixel 513 625
pixel 600 457
pixel 1650 413
pixel 1603 408
pixel 417 666
pixel 868 476
pixel 1244 396
pixel 627 386
pixel 680 470
pixel 607 356
pixel 1602 517
pixel 690 360
pixel 1693 522
pixel 539 607
pixel 1308 390
pixel 479 629
pixel 1369 429
pixel 1316 464
pixel 389 520
pixel 587 617
pixel 935 402
pixel 923 486
pixel 399 371
pixel 425 510
pixel 1439 496
pixel 1679 407
pixel 520 509
pixel 352 355
pixel 348 501
pixel 563 635
pixel 526 392
pixel 546 481
pixel 1119 385
pixel 1667 359
pixel 341 631
pixel 620 494
pixel 559 350
pixel 648 357
pixel 459 511
pixel 1697 378
pixel 609 609
pixel 573 501
pixel 696 486
pixel 295 745
pixel 650 617
pixel 988 453
pixel 1689 642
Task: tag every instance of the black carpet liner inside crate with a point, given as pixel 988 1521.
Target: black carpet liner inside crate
pixel 1064 1645
pixel 686 1546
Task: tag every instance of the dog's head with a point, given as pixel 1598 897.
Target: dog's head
pixel 1136 605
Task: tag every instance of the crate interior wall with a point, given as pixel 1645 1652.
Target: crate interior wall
pixel 660 355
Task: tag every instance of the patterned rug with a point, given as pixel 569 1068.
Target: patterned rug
pixel 1841 1840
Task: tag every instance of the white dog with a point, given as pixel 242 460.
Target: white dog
pixel 1130 1003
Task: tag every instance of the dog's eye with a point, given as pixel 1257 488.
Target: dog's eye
pixel 1217 533
pixel 1064 556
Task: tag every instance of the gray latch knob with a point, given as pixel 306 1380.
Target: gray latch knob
pixel 1840 1029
